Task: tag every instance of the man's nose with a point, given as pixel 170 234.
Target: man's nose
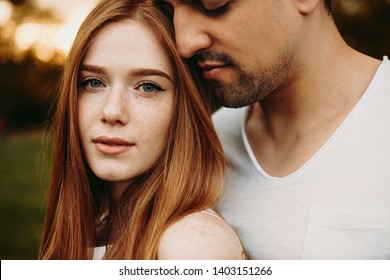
pixel 190 32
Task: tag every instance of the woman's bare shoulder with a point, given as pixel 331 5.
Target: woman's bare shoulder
pixel 199 235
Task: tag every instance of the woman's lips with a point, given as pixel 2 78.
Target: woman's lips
pixel 111 146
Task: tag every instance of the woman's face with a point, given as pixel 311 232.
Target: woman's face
pixel 126 97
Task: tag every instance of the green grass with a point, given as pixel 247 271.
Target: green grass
pixel 24 177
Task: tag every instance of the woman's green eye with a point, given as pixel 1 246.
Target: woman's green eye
pixel 148 88
pixel 95 83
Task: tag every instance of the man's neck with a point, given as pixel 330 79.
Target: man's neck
pixel 288 127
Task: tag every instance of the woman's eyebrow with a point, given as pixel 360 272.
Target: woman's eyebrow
pixel 150 72
pixel 92 68
pixel 134 72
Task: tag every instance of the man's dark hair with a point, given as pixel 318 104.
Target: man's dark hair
pixel 328 5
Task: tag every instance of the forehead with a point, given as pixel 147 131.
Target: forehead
pixel 125 34
pixel 129 43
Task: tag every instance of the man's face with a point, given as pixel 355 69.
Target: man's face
pixel 244 48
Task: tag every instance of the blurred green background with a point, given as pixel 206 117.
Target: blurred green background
pixel 34 38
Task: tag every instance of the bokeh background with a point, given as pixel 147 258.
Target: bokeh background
pixel 35 36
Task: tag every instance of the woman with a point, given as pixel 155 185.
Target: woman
pixel 136 161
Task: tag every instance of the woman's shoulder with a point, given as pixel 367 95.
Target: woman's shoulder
pixel 200 235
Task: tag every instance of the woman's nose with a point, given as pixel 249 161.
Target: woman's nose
pixel 115 107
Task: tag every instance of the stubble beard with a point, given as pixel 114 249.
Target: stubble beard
pixel 250 87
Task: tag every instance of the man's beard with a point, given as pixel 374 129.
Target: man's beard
pixel 248 87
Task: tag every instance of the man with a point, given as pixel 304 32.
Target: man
pixel 309 173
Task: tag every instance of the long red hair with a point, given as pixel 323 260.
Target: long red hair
pixel 187 178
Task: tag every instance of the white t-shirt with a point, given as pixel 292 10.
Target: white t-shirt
pixel 335 206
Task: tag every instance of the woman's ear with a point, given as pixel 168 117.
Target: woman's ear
pixel 306 7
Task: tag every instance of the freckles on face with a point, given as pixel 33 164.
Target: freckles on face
pixel 126 99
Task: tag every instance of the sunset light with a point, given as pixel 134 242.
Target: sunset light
pixel 45 38
pixel 5 12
